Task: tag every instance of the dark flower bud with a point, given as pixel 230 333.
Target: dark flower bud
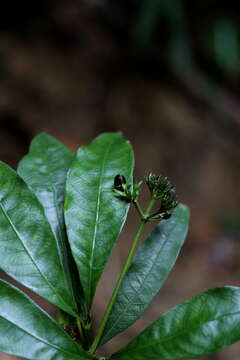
pixel 167 215
pixel 172 193
pixel 119 180
pixel 128 192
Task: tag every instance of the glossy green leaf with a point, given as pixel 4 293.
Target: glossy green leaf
pixel 45 169
pixel 27 331
pixel 94 215
pixel 29 251
pixel 150 268
pixel 198 327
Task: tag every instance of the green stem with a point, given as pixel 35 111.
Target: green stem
pixel 139 209
pixel 120 279
pixel 83 333
pixel 79 325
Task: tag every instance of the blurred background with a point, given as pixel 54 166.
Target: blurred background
pixel 165 73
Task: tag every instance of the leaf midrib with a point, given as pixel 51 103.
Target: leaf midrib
pixel 38 338
pixel 96 220
pixel 167 338
pixel 29 254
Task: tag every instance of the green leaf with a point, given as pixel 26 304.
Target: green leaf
pixel 94 215
pixel 45 169
pixel 150 268
pixel 27 331
pixel 198 327
pixel 29 250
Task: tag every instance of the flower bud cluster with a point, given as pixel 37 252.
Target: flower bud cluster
pixel 161 189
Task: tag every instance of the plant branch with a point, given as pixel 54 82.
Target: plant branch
pixel 121 277
pixel 139 209
pixel 83 333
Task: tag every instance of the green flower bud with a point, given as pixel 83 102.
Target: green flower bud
pixel 161 189
pixel 159 186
